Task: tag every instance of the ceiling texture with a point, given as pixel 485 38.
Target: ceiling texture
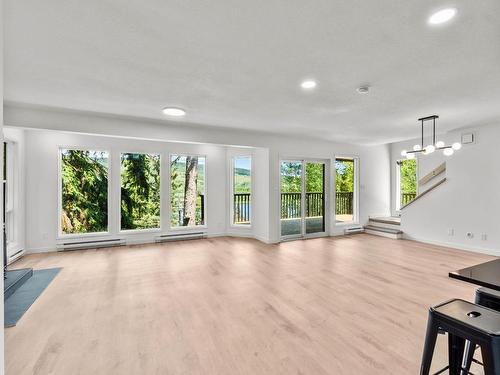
pixel 239 64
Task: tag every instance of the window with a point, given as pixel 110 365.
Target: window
pixel 187 190
pixel 84 191
pixel 140 191
pixel 407 181
pixel 242 189
pixel 345 193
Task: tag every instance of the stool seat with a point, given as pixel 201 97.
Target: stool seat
pixel 470 315
pixel 463 322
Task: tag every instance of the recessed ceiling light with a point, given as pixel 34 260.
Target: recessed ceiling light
pixel 173 111
pixel 363 89
pixel 308 84
pixel 442 16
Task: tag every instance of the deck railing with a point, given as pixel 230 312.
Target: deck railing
pixel 407 198
pixel 344 202
pixel 290 206
pixel 241 208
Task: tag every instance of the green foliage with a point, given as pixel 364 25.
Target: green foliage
pixel 140 191
pixel 291 177
pixel 314 178
pixel 242 181
pixel 408 176
pixel 344 175
pixel 84 191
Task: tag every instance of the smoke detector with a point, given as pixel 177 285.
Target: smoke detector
pixel 363 89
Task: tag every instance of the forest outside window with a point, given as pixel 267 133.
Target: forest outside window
pixel 242 189
pixel 84 191
pixel 345 190
pixel 140 191
pixel 187 190
pixel 407 182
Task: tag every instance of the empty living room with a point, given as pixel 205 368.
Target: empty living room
pixel 257 188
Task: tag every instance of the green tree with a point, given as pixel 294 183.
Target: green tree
pixel 344 175
pixel 408 176
pixel 140 191
pixel 84 191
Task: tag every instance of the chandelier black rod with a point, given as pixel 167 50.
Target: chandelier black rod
pixel 422 123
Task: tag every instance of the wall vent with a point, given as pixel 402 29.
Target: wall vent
pixel 82 245
pixel 181 236
pixel 352 230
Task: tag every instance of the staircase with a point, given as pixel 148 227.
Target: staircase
pixel 385 226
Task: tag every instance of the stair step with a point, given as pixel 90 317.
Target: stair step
pixel 14 279
pixel 386 220
pixel 383 229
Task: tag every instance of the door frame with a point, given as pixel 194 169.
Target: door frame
pixel 326 198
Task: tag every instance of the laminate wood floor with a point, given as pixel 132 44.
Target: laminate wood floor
pixel 346 305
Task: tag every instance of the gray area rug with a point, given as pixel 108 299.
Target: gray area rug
pixel 19 302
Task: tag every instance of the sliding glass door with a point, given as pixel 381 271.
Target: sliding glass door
pixel 302 202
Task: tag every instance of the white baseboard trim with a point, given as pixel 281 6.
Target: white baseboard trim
pixel 474 249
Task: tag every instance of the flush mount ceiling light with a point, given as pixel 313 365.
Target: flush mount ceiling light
pixel 442 16
pixel 308 84
pixel 173 111
pixel 363 89
pixel 435 145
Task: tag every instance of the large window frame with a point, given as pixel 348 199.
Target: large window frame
pixel 355 204
pixel 231 191
pixel 145 230
pixel 205 200
pixel 60 234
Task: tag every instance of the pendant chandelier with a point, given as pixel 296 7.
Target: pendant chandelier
pixel 435 145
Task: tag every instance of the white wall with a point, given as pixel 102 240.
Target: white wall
pixel 469 201
pixel 267 149
pixel 1 175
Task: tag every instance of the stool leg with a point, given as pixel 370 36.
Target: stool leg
pixel 470 348
pixel 429 345
pixel 491 358
pixel 455 353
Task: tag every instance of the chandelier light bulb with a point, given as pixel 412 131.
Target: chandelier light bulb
pixel 404 153
pixel 410 156
pixel 456 146
pixel 439 144
pixel 430 149
pixel 448 151
pixel 417 148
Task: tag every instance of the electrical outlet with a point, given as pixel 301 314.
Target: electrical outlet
pixel 451 232
pixel 470 235
pixel 484 237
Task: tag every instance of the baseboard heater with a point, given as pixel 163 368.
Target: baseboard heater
pixel 352 230
pixel 82 245
pixel 181 236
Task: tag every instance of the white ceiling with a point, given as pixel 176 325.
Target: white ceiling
pixel 238 64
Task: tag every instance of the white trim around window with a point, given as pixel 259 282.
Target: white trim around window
pixel 60 235
pixel 232 160
pixel 355 208
pixel 169 210
pixel 119 198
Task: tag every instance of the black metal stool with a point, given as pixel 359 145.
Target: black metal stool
pixel 488 298
pixel 463 321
